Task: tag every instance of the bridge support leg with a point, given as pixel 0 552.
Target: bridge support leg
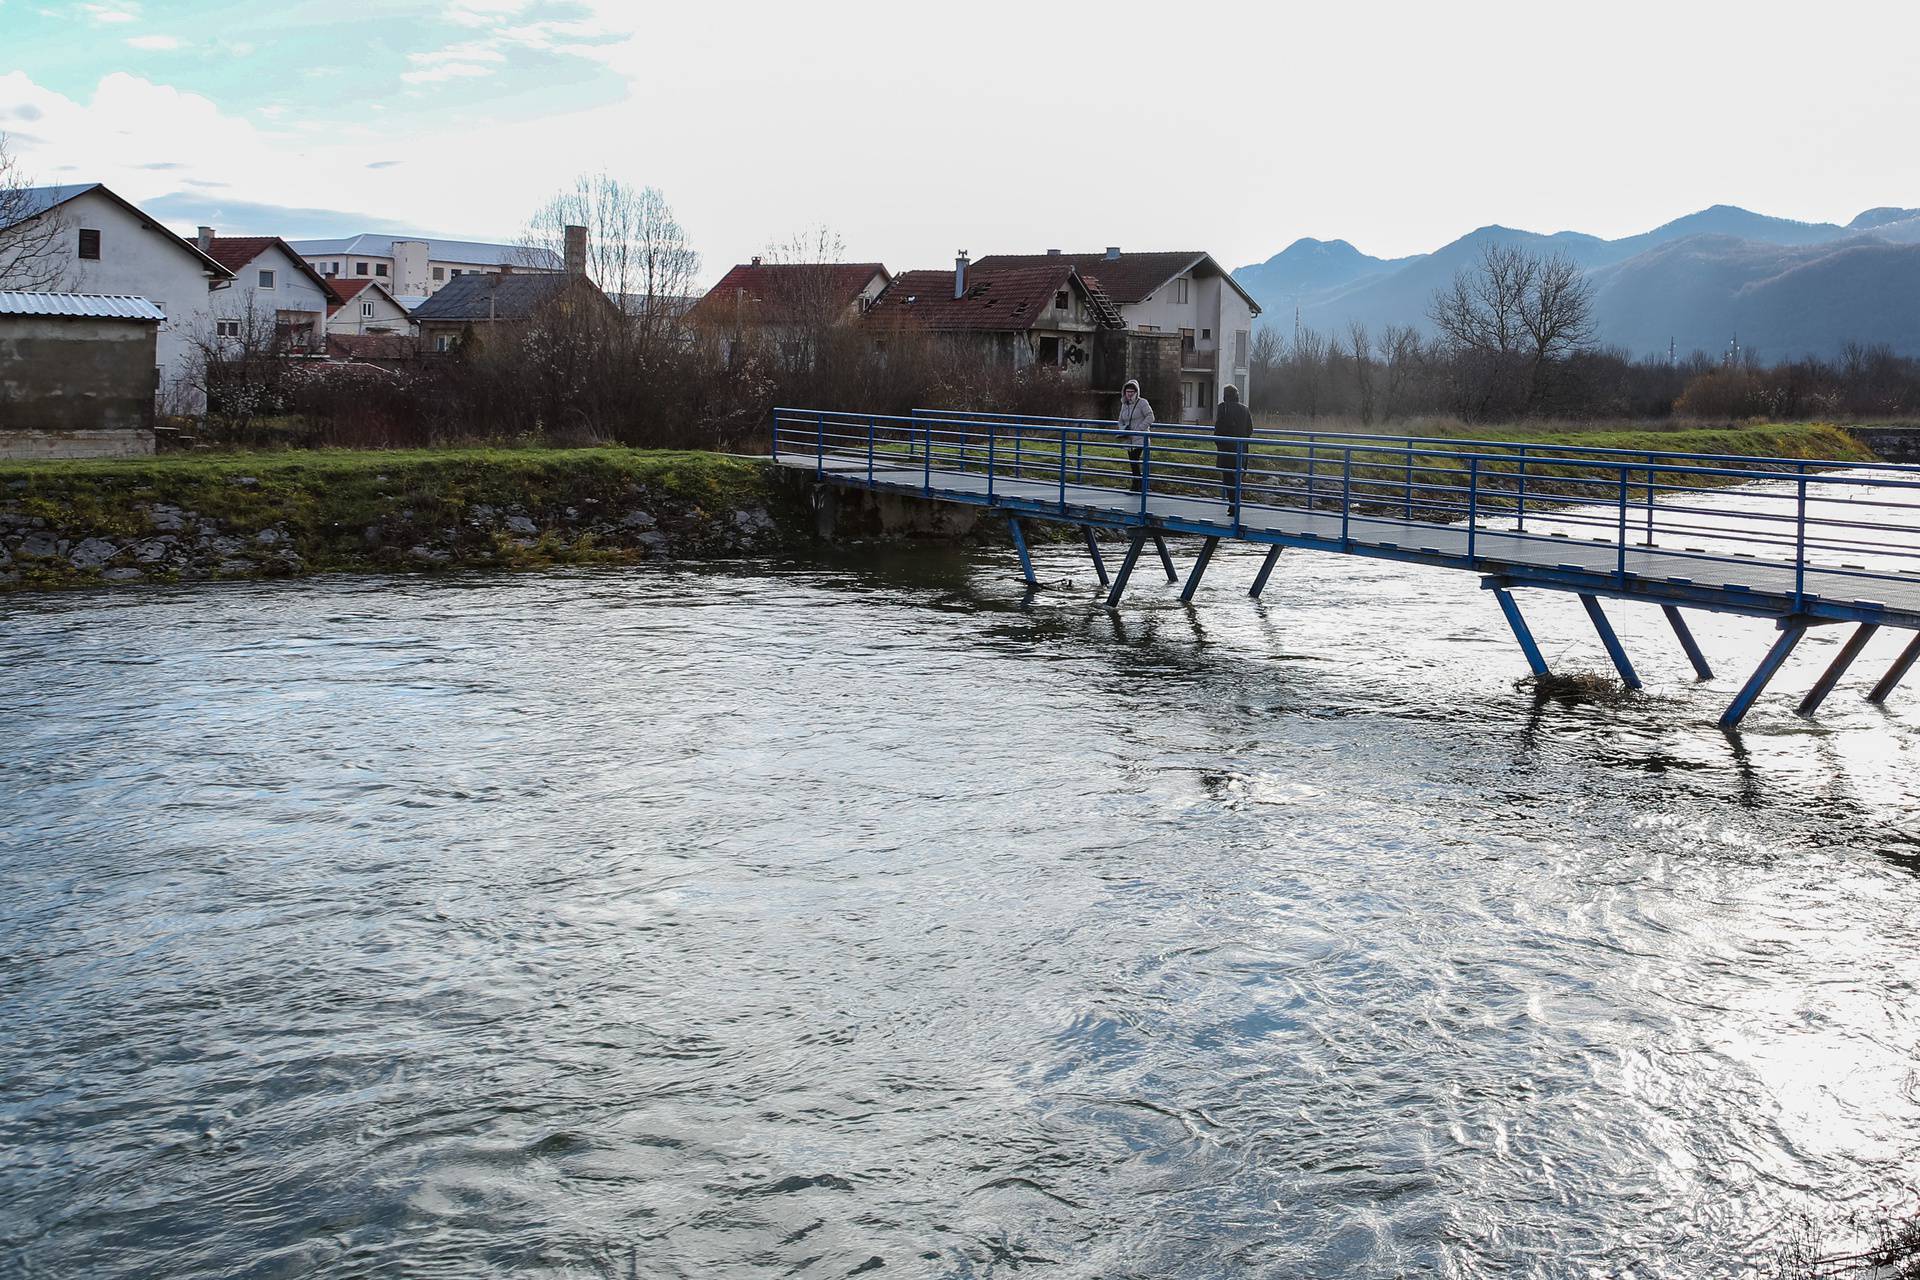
pixel 1897 672
pixel 1266 567
pixel 1757 682
pixel 1615 650
pixel 1166 561
pixel 1020 545
pixel 1687 642
pixel 1520 631
pixel 1837 668
pixel 1126 567
pixel 1093 549
pixel 1199 568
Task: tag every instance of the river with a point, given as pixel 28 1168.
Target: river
pixel 842 916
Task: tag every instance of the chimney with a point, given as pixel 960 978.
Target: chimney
pixel 1113 251
pixel 576 251
pixel 756 259
pixel 1053 253
pixel 960 274
pixel 205 239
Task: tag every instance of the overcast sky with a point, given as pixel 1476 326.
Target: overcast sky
pixel 992 127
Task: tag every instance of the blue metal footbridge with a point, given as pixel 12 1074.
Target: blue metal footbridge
pixel 1799 543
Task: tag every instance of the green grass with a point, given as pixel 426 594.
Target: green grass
pixel 327 501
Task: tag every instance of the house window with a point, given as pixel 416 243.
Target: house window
pixel 359 268
pixel 1180 290
pixel 227 328
pixel 1060 300
pixel 1189 395
pixel 1206 335
pixel 443 343
pixel 89 243
pixel 1240 348
pixel 366 311
pixel 1050 352
pixel 1186 342
pixel 379 268
pixel 456 271
pixel 439 273
pixel 266 279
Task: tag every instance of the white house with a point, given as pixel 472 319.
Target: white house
pixel 365 307
pixel 1184 292
pixel 273 287
pixel 415 265
pixel 107 246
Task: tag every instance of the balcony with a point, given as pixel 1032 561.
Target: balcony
pixel 1202 357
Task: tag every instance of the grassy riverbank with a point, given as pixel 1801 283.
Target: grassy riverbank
pixel 265 514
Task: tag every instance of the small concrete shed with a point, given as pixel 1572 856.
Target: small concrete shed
pixel 77 374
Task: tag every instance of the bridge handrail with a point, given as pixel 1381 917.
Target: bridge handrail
pixel 1289 433
pixel 1616 461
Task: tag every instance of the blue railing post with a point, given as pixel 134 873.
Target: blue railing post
pixel 992 432
pixel 1520 506
pixel 776 435
pixel 1063 472
pixel 1311 477
pixel 1473 505
pixel 1800 544
pixel 1409 482
pixel 1346 494
pixel 926 480
pixel 1649 499
pixel 1146 471
pixel 1241 452
pixel 869 449
pixel 1620 560
pixel 819 445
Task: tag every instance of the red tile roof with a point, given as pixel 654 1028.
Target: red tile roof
pixel 758 292
pixel 372 346
pixel 997 300
pixel 344 289
pixel 1130 277
pixel 235 252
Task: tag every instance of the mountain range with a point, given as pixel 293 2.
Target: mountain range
pixel 1782 288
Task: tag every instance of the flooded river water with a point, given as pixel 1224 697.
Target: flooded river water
pixel 847 916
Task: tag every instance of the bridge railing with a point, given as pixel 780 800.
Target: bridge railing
pixel 1478 501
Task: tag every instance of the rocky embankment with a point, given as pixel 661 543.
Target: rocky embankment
pixel 166 520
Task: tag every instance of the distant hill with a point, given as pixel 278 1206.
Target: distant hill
pixel 1786 288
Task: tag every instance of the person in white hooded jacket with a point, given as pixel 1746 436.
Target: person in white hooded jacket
pixel 1135 422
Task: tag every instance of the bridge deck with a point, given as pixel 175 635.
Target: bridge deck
pixel 1740 584
pixel 1805 542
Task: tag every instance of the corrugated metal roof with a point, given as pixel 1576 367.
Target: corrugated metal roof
pixel 29 201
pixel 438 250
pixel 88 306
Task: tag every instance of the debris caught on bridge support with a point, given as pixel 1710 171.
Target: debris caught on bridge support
pixel 1093 549
pixel 1126 567
pixel 1615 649
pixel 1790 632
pixel 1520 630
pixel 1838 667
pixel 1199 568
pixel 1897 672
pixel 1687 642
pixel 1020 545
pixel 1266 567
pixel 1166 560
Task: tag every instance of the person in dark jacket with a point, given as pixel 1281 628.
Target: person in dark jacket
pixel 1232 425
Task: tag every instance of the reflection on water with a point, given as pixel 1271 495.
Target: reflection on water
pixel 805 918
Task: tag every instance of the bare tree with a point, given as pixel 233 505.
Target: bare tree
pixel 636 251
pixel 32 239
pixel 1403 357
pixel 1360 351
pixel 1513 321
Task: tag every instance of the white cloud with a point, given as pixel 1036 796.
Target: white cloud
pixel 156 43
pixel 101 15
pixel 446 71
